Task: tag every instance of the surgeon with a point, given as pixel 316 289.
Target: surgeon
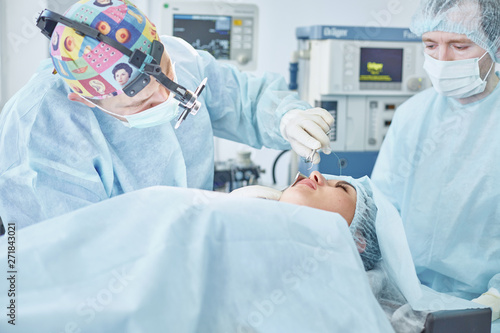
pixel 74 135
pixel 440 163
pixel 351 198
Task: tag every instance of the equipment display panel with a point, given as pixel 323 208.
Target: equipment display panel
pixel 226 30
pixel 205 32
pixel 381 65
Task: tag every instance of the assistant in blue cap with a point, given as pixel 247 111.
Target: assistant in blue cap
pixel 439 163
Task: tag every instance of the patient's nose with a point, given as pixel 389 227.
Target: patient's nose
pixel 318 178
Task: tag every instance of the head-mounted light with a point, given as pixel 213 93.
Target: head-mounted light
pixel 148 64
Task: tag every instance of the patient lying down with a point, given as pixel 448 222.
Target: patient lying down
pixel 353 200
pixel 349 198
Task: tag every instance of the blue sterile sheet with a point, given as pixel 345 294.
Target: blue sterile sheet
pixel 167 259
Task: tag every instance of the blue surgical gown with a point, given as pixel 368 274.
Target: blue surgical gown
pixel 57 155
pixel 440 167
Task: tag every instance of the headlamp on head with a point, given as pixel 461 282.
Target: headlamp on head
pixel 146 65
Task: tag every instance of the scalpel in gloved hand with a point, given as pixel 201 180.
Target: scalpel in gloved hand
pixel 306 130
pixel 310 158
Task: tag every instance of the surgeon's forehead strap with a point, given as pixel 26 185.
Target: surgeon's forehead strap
pixel 147 64
pixel 48 20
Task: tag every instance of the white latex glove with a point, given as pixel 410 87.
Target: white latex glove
pixel 490 298
pixel 257 191
pixel 306 131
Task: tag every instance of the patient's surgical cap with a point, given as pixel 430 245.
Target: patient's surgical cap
pixel 479 20
pixel 94 69
pixel 363 224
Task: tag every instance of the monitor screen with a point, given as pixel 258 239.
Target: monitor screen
pixel 205 32
pixel 381 65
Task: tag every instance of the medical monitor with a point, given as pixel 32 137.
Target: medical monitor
pixel 226 30
pixel 380 66
pixel 213 33
pixel 361 75
pixel 362 61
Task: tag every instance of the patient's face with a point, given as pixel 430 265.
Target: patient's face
pixel 317 192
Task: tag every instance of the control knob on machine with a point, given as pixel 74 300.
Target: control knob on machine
pixel 416 83
pixel 243 59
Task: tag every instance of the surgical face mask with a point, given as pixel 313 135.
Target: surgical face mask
pixel 458 78
pixel 157 115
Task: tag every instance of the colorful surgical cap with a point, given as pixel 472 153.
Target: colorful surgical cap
pixel 479 20
pixel 94 69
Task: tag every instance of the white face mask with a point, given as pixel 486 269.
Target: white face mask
pixel 157 115
pixel 458 78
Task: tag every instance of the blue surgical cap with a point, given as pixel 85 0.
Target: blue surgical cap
pixel 479 20
pixel 363 227
pixel 363 224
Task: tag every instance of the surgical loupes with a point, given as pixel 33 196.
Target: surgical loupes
pixel 196 106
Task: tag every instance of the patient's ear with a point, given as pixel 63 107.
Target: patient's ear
pixel 360 242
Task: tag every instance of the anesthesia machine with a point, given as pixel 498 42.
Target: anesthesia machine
pixel 360 75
